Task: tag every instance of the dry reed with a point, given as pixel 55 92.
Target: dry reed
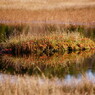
pixel 59 11
pixel 36 86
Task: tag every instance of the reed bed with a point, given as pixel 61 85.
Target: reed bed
pixel 36 86
pixel 45 38
pixel 45 43
pixel 45 4
pixel 62 11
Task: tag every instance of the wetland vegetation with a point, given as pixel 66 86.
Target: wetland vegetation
pixel 47 47
pixel 46 39
pixel 47 59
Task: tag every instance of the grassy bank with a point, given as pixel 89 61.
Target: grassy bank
pixel 35 86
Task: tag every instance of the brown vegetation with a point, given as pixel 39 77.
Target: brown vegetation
pixel 36 86
pixel 56 11
pixel 57 42
pixel 59 11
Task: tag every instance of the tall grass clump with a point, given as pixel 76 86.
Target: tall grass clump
pixel 47 44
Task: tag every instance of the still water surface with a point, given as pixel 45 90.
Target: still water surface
pixel 69 67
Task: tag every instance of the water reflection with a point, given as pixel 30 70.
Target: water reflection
pixel 68 80
pixel 4 77
pixel 65 65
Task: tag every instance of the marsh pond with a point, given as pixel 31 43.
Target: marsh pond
pixel 63 65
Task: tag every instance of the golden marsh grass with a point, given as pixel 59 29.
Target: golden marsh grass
pixel 47 39
pixel 34 86
pixel 58 42
pixel 65 11
pixel 40 41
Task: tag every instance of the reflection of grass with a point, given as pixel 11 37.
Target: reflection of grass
pixel 35 86
pixel 56 65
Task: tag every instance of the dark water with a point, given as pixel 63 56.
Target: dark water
pixel 70 67
pixel 65 66
pixel 75 64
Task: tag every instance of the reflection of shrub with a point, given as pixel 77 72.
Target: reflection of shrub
pixel 57 65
